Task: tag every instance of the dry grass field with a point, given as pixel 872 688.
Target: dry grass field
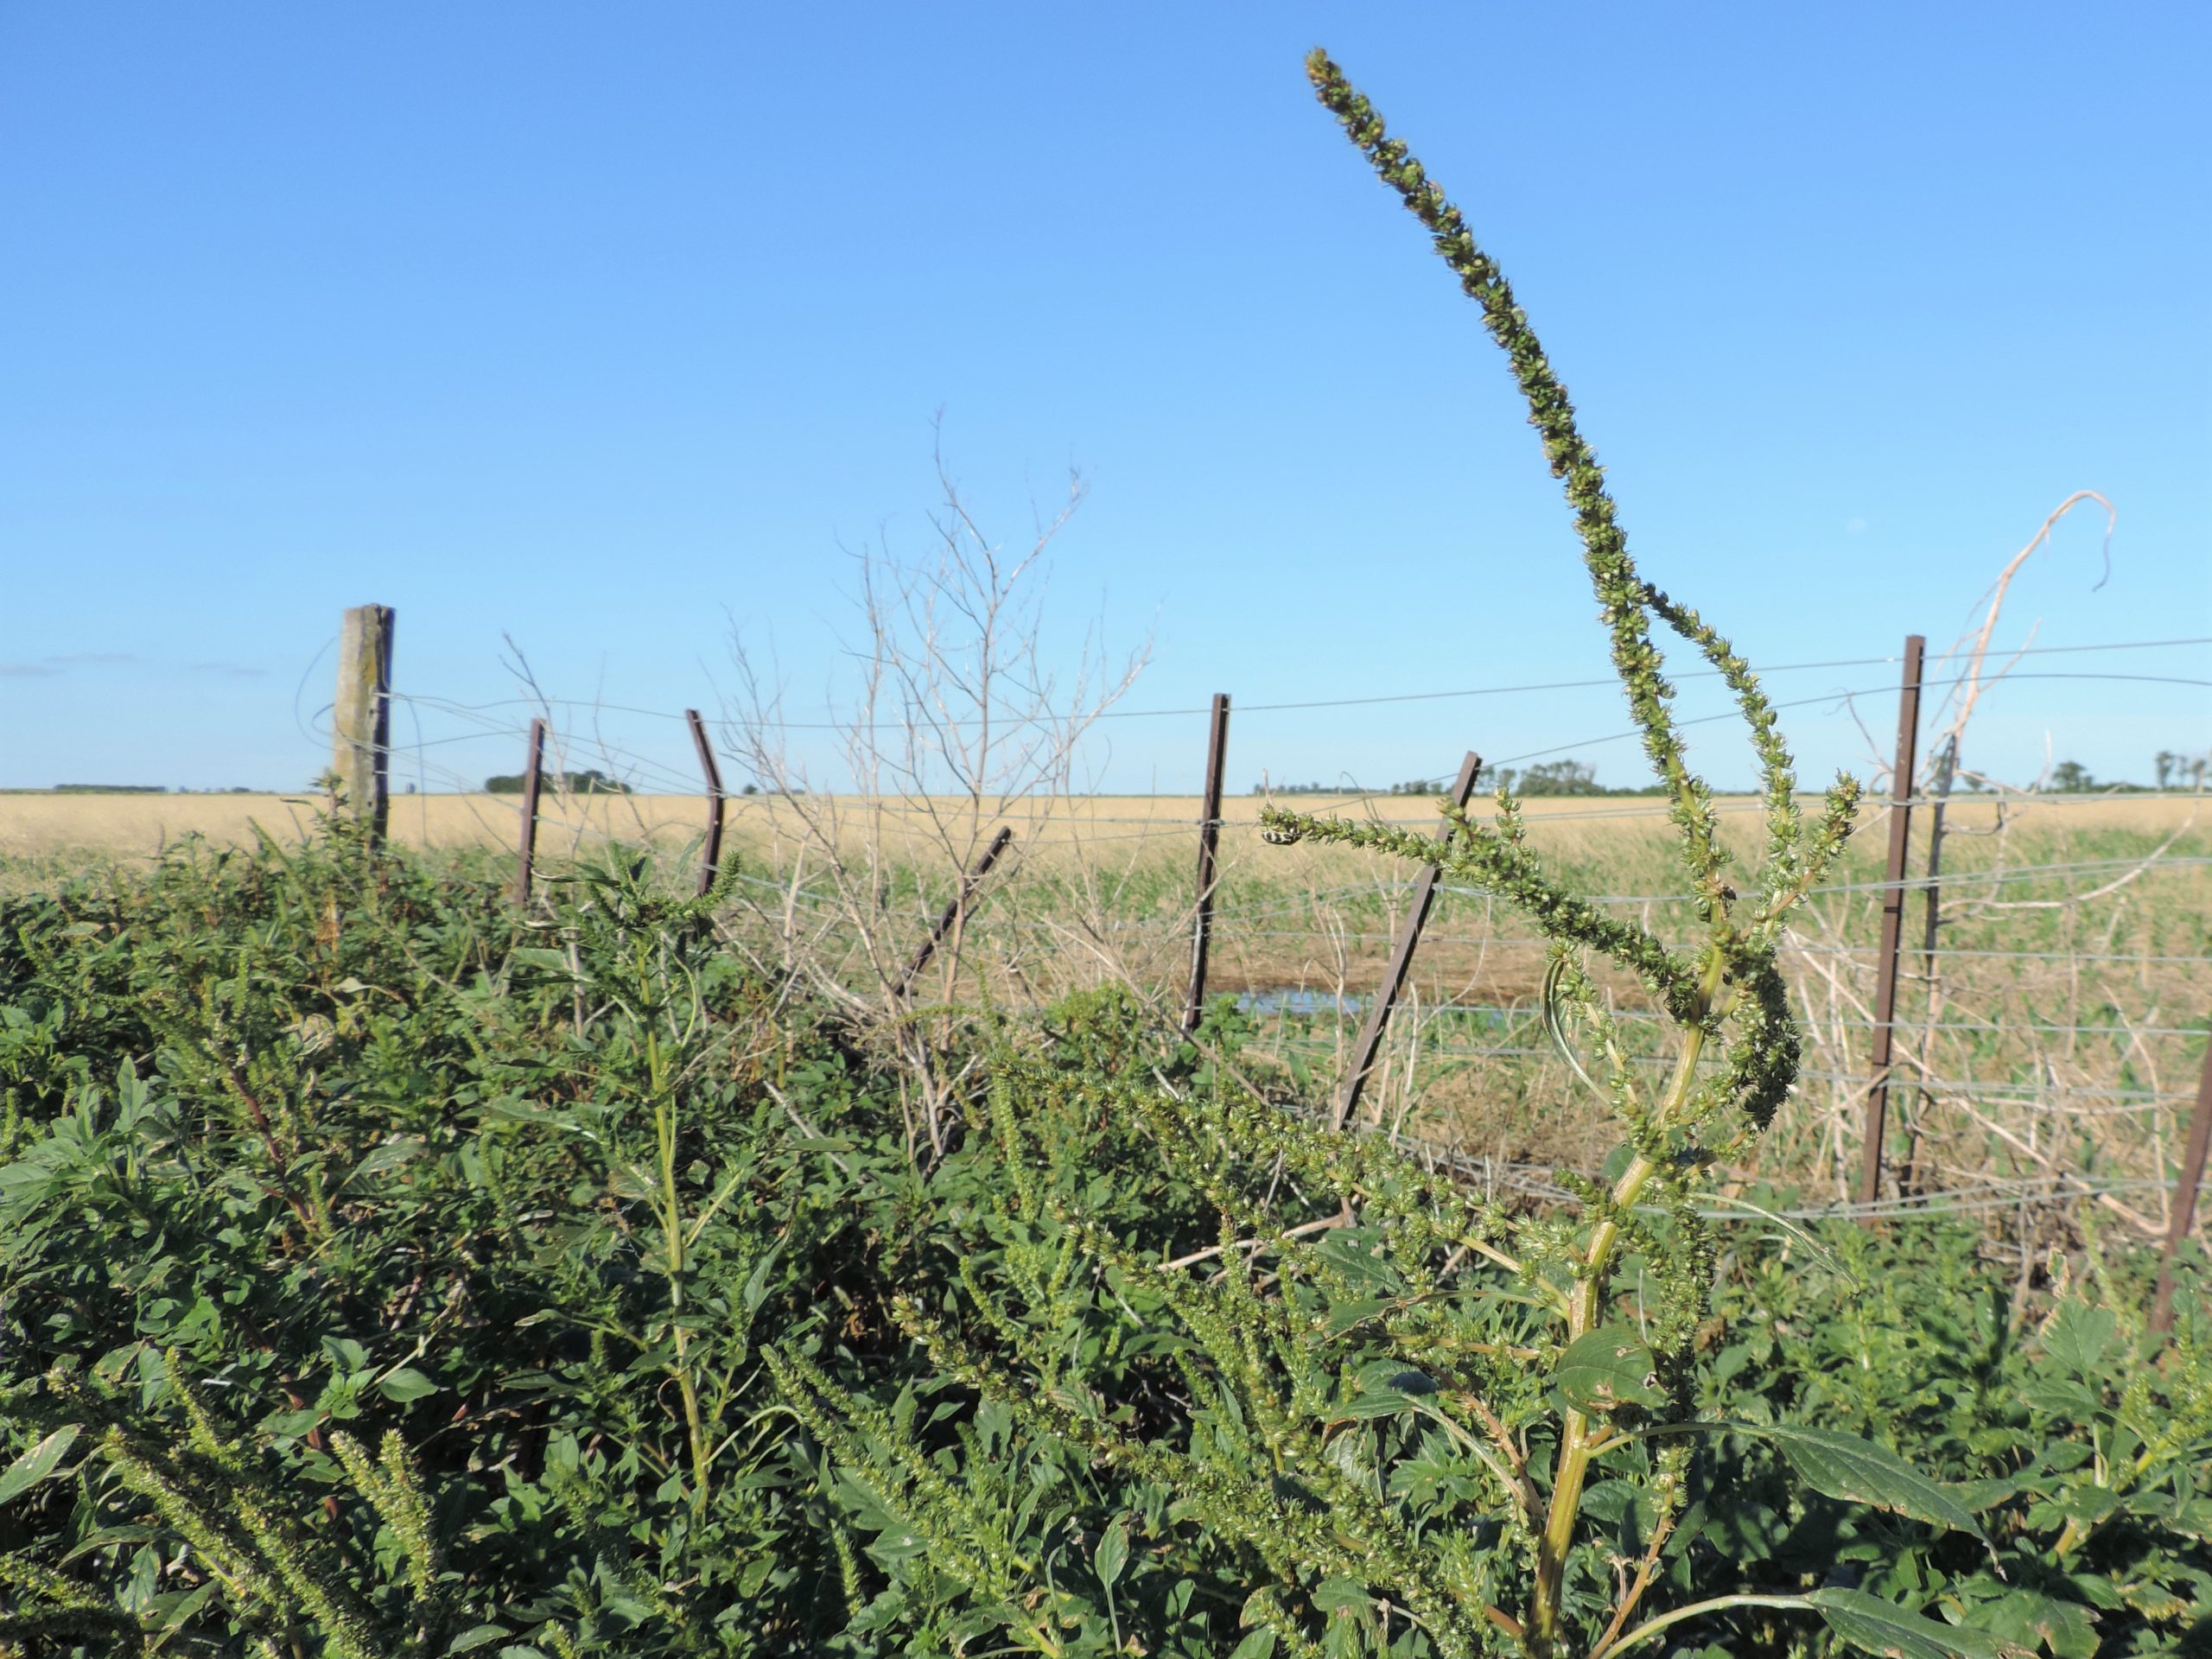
pixel 127 826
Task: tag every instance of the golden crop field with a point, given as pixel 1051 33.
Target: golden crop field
pixel 127 826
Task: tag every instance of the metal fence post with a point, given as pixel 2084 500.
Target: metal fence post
pixel 361 723
pixel 1885 989
pixel 1209 846
pixel 957 908
pixel 532 764
pixel 1402 958
pixel 2192 1178
pixel 1943 772
pixel 710 861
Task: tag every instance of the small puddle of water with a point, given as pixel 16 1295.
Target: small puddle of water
pixel 1302 1001
pixel 1298 999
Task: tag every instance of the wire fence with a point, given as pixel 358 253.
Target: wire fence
pixel 2053 1011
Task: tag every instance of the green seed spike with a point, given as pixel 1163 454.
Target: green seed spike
pixel 1620 591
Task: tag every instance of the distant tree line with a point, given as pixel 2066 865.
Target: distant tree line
pixel 2173 771
pixel 2173 768
pixel 592 782
pixel 1550 777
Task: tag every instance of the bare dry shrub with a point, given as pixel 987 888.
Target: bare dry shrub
pixel 951 723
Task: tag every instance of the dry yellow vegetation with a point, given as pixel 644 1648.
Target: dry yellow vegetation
pixel 43 826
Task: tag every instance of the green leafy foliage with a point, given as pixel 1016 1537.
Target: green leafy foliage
pixel 392 1366
pixel 327 1149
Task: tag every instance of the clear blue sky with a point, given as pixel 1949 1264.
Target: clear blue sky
pixel 608 326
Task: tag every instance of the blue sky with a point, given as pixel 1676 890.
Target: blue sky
pixel 611 328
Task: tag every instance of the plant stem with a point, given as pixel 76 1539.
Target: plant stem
pixel 1651 1627
pixel 1586 1305
pixel 673 1246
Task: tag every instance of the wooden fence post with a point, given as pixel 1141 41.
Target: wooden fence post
pixel 957 908
pixel 1209 848
pixel 533 764
pixel 711 860
pixel 361 725
pixel 2192 1178
pixel 1402 958
pixel 1885 988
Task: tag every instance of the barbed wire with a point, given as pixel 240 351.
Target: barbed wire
pixel 489 724
pixel 1350 1004
pixel 1283 706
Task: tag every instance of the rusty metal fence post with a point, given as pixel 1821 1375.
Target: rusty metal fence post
pixel 1209 849
pixel 1402 958
pixel 533 765
pixel 710 861
pixel 1944 772
pixel 1893 879
pixel 2184 1216
pixel 955 910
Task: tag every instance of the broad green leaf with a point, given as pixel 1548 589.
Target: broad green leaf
pixel 2097 1590
pixel 35 1464
pixel 405 1384
pixel 1980 1495
pixel 389 1155
pixel 1344 1315
pixel 476 1636
pixel 1351 1252
pixel 1843 1466
pixel 2089 1504
pixel 1386 1389
pixel 2034 1619
pixel 1873 1625
pixel 1339 1595
pixel 2079 1337
pixel 175 1611
pixel 1113 1552
pixel 1606 1368
pixel 346 1354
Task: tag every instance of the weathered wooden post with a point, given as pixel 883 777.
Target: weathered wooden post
pixel 1402 958
pixel 360 724
pixel 533 764
pixel 1885 987
pixel 2184 1213
pixel 710 861
pixel 1194 1005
